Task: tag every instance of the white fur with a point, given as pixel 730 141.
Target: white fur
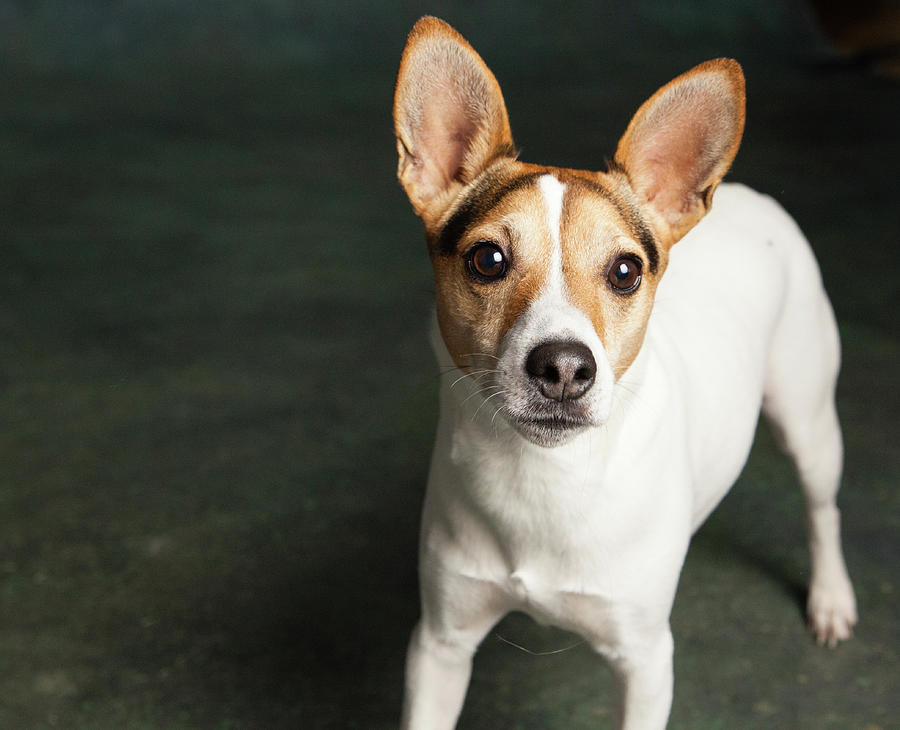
pixel 552 191
pixel 591 535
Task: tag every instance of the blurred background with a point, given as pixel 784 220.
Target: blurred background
pixel 217 399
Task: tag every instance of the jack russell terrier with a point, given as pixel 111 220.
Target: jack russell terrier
pixel 609 380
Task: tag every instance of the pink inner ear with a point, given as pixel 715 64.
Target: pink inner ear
pixel 676 162
pixel 445 138
pixel 679 145
pixel 679 152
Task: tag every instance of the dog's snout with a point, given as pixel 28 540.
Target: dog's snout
pixel 563 370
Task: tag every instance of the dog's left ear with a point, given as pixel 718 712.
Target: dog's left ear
pixel 449 117
pixel 680 144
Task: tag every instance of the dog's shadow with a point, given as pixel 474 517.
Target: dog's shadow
pixel 314 634
pixel 735 547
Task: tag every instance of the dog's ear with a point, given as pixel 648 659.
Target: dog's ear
pixel 681 142
pixel 449 117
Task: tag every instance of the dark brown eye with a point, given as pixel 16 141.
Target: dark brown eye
pixel 625 275
pixel 486 261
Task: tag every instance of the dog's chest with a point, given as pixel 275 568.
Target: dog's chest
pixel 541 596
pixel 576 563
pixel 554 531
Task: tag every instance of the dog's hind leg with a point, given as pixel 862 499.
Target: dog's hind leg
pixel 799 403
pixel 817 454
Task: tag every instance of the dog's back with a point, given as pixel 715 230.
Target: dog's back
pixel 743 316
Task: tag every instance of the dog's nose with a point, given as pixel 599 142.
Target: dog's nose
pixel 563 370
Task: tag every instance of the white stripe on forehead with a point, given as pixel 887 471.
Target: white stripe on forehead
pixel 552 191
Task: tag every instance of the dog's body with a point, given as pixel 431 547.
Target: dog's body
pixel 593 426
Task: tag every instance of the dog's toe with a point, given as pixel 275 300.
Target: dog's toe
pixel 831 628
pixel 832 613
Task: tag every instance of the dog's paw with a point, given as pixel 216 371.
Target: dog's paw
pixel 831 611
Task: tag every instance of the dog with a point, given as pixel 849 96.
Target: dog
pixel 609 381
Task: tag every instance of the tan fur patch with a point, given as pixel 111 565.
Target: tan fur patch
pixel 475 316
pixel 594 235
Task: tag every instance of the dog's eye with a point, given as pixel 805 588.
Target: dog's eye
pixel 624 275
pixel 486 262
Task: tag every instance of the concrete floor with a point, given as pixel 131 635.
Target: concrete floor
pixel 216 394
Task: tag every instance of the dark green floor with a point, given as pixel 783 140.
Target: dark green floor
pixel 216 394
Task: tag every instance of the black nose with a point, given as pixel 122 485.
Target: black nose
pixel 563 370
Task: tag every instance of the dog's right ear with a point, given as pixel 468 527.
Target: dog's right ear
pixel 449 117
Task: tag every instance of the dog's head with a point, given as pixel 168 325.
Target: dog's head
pixel 545 277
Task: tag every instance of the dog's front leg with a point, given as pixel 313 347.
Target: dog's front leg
pixel 644 674
pixel 457 612
pixel 437 675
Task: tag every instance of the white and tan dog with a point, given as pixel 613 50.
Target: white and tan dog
pixel 610 381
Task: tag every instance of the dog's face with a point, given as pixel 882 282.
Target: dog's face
pixel 545 277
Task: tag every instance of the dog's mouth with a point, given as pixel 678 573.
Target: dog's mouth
pixel 550 429
pixel 562 423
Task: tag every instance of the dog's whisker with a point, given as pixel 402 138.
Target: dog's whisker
pixel 445 369
pixel 479 392
pixel 499 410
pixel 479 373
pixel 499 392
pixel 538 653
pixel 480 354
pixel 451 368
